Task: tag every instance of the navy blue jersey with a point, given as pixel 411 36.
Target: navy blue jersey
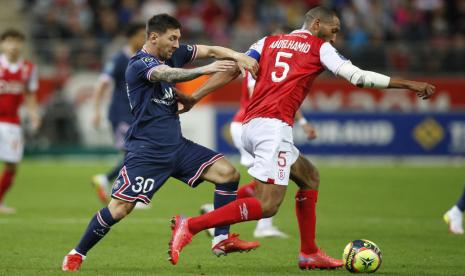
pixel 153 104
pixel 115 68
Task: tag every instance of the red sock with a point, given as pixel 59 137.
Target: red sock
pixel 247 190
pixel 244 209
pixel 5 182
pixel 305 209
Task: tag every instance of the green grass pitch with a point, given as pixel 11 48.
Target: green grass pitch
pixel 398 207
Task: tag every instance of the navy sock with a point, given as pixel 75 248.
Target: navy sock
pixel 111 175
pixel 224 194
pixel 461 203
pixel 98 227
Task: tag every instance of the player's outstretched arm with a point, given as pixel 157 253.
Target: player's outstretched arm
pixel 33 110
pixel 244 62
pixel 342 67
pixel 169 74
pixel 305 125
pixel 101 88
pixel 362 78
pixel 214 82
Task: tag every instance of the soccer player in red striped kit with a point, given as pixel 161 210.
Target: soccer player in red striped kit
pixel 289 64
pixel 18 82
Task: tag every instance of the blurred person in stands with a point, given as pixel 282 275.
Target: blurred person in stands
pixel 119 112
pixel 18 83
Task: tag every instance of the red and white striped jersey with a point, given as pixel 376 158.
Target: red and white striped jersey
pixel 289 63
pixel 15 80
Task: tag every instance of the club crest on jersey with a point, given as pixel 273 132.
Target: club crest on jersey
pixel 281 174
pixel 116 185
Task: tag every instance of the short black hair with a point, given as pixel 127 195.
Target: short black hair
pixel 161 22
pixel 12 33
pixel 134 28
pixel 321 12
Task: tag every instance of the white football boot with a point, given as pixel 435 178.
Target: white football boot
pixel 453 218
pixel 207 208
pixel 265 229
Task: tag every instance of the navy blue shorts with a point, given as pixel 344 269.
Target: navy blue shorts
pixel 145 172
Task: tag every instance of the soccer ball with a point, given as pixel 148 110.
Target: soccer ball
pixel 362 256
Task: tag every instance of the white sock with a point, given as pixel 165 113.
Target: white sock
pixel 218 239
pixel 264 223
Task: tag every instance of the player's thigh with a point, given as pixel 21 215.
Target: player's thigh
pixel 222 171
pixel 11 143
pixel 305 174
pixel 270 142
pixel 270 196
pixel 141 176
pixel 194 160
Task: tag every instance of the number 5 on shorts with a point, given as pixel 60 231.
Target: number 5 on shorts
pixel 282 159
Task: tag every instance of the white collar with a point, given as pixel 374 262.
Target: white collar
pixel 13 67
pixel 301 31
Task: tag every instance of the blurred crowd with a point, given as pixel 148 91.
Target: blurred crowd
pixel 396 35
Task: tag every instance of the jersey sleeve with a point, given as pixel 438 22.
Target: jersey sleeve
pixel 142 68
pixel 331 58
pixel 109 70
pixel 184 54
pixel 33 83
pixel 255 51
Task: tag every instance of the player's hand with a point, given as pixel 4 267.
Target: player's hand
pixel 424 90
pixel 220 66
pixel 309 130
pixel 244 62
pixel 96 119
pixel 185 102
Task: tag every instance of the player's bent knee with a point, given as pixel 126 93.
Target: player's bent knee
pixel 229 174
pixel 269 209
pixel 120 209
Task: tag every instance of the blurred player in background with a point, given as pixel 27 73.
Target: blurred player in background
pixel 265 227
pixel 289 64
pixel 18 82
pixel 155 146
pixel 119 113
pixel 454 216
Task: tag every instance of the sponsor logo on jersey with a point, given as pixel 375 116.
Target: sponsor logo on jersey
pixel 168 97
pixel 11 87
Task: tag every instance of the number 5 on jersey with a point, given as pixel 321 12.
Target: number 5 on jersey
pixel 280 63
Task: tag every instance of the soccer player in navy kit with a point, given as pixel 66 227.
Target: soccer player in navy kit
pixel 155 146
pixel 119 113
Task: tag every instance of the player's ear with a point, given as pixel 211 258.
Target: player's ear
pixel 153 36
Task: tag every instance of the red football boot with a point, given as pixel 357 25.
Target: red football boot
pixel 319 260
pixel 72 262
pixel 181 237
pixel 233 244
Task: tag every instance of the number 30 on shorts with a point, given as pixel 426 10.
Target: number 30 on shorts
pixel 143 185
